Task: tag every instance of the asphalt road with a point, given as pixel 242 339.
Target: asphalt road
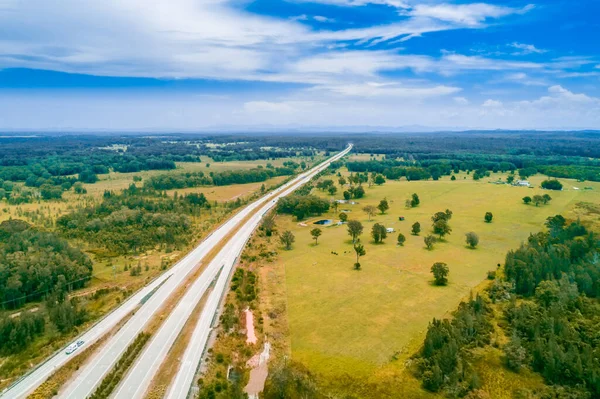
pixel 164 286
pixel 182 382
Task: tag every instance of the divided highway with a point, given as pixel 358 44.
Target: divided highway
pixel 145 368
pixel 160 290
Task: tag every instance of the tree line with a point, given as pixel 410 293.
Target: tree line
pixel 197 179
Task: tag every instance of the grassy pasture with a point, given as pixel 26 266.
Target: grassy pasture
pixel 346 322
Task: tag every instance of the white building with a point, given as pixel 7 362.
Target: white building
pixel 523 183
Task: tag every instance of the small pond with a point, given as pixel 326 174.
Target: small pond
pixel 324 221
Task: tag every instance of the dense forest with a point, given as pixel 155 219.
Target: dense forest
pixel 549 307
pixel 35 263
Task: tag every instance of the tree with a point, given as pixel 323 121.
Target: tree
pixel 369 210
pixel 355 228
pixel 488 217
pixel 332 190
pixel 401 239
pixel 429 240
pixel 440 273
pixel 88 176
pixel 383 206
pixel 358 192
pixel 288 380
pixel 441 228
pixel 316 233
pixel 446 216
pixel 526 200
pixel 378 232
pixel 335 205
pixel 510 179
pixel 514 353
pixel 546 198
pixel 472 239
pixel 342 181
pixel 416 228
pixel 347 195
pixel 552 184
pixel 453 178
pixel 343 217
pixel 555 224
pixel 415 201
pixel 268 224
pixel 537 199
pixel 379 180
pixel 359 249
pixel 287 239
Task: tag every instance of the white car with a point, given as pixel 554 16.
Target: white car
pixel 71 348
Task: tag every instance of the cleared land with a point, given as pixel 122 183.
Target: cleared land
pixel 344 322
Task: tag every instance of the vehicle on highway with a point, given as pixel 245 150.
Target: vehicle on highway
pixel 80 343
pixel 71 348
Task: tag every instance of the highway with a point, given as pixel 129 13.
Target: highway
pixel 148 363
pixel 161 288
pixel 190 361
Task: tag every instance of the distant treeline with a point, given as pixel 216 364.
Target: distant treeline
pixel 197 179
pixel 423 170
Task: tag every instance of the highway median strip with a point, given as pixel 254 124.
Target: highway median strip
pixel 112 379
pixel 170 365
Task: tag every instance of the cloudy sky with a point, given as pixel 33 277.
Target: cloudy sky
pixel 198 64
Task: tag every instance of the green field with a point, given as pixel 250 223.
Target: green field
pixel 343 321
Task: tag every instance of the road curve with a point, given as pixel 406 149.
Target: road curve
pixel 160 289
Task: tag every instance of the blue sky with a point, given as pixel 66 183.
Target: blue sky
pixel 207 64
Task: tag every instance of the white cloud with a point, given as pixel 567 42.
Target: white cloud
pixel 391 90
pixel 461 100
pixel 188 38
pixel 359 3
pixel 522 78
pixel 467 14
pixel 492 104
pixel 320 18
pixel 526 49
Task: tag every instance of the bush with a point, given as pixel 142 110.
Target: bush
pixel 552 184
